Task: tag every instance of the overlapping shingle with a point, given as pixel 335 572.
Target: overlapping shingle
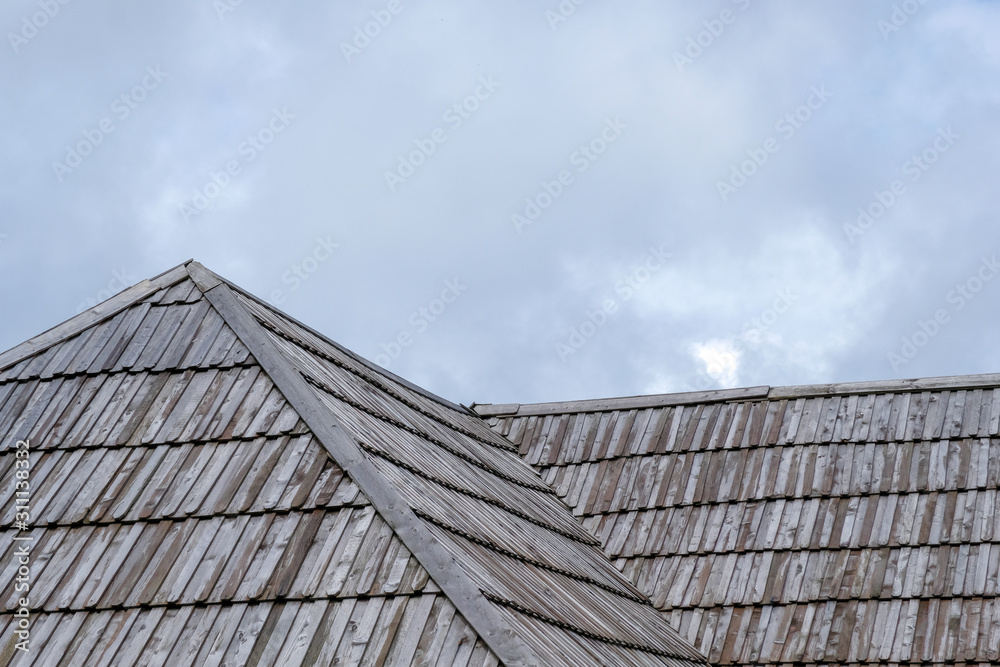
pixel 182 512
pixel 823 525
pixel 514 538
pixel 213 483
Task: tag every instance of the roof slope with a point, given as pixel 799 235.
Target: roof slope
pixel 214 483
pixel 844 524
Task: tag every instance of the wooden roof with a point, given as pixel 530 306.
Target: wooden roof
pixel 825 525
pixel 213 483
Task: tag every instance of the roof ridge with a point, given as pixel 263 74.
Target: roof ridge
pixel 626 402
pixel 345 450
pixel 762 392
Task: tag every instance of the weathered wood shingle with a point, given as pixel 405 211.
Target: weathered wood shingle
pixel 842 525
pixel 516 541
pixel 182 512
pixel 213 483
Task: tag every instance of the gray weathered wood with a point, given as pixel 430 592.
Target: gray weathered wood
pixel 348 455
pixel 629 403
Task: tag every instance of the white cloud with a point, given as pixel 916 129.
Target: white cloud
pixel 721 360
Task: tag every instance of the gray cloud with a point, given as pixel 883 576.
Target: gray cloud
pixel 323 177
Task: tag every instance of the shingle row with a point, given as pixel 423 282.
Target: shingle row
pixel 889 417
pixel 809 576
pixel 145 408
pixel 144 337
pixel 394 630
pixel 956 517
pixel 837 469
pixel 317 554
pixel 952 631
pixel 128 484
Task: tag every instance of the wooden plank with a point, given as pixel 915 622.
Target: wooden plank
pixel 240 556
pixel 216 557
pixel 628 403
pixel 888 386
pixel 187 563
pixel 106 568
pixel 183 292
pixel 810 421
pixel 81 569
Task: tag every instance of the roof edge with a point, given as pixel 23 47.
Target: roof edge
pixel 626 403
pixel 443 568
pixel 980 381
pixel 95 315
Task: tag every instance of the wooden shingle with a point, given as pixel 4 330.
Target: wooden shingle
pixel 214 483
pixel 836 524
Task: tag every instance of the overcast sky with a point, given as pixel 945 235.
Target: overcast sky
pixel 525 201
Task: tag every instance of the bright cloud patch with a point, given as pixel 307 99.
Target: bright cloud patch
pixel 722 361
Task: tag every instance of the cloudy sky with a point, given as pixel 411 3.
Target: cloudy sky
pixel 528 201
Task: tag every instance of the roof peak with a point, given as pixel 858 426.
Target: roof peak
pixel 205 279
pixel 471 513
